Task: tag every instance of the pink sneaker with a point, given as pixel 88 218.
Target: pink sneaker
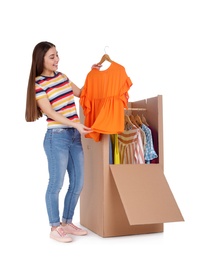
pixel 59 234
pixel 70 228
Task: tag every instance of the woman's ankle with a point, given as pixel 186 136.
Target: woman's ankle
pixel 53 228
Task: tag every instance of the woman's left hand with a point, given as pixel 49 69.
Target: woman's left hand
pixel 96 66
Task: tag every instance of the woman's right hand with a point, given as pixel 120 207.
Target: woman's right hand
pixel 83 129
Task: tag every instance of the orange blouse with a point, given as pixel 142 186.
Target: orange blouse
pixel 103 99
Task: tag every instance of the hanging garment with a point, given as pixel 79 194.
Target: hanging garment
pixel 134 120
pixel 131 147
pixel 116 154
pixel 143 136
pixel 150 153
pixel 111 159
pixel 103 99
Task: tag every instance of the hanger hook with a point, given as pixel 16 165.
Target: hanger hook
pixel 105 48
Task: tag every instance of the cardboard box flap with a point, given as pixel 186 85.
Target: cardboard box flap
pixel 145 194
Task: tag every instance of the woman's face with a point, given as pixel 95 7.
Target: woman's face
pixel 51 60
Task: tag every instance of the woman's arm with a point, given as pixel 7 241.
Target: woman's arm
pixel 76 91
pixel 46 107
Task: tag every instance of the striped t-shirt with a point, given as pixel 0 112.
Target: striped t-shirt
pixel 59 91
pixel 131 147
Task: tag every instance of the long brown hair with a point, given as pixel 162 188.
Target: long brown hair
pixel 33 112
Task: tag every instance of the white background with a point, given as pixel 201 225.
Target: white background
pixel 161 46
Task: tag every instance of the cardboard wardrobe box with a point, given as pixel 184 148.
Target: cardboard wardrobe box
pixel 127 199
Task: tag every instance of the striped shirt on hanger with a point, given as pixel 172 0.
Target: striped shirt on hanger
pixel 131 147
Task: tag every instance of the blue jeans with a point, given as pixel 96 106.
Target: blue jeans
pixel 64 152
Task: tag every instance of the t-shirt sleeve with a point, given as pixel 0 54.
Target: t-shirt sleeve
pixel 84 100
pixel 40 92
pixel 124 90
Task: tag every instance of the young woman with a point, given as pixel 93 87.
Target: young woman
pixel 51 93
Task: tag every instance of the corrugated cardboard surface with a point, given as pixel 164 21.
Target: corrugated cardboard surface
pixel 101 208
pixel 145 194
pixel 126 199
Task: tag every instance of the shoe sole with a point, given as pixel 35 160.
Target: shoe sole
pixel 62 240
pixel 76 234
